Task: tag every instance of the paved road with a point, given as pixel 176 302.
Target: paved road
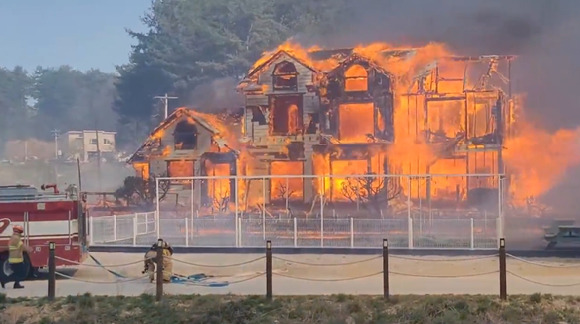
pixel 407 276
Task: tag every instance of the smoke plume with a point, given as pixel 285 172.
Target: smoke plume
pixel 545 34
pixel 216 96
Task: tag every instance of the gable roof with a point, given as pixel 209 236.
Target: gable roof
pixel 356 58
pixel 342 56
pixel 274 57
pixel 170 120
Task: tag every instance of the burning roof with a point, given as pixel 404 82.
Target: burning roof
pixel 403 62
pixel 212 123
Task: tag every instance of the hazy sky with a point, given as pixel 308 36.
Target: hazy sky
pixel 84 34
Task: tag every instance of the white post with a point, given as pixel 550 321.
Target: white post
pixel 351 232
pixel 240 232
pixel 498 230
pixel 114 227
pixel 186 231
pixel 409 219
pixel 410 233
pixel 295 232
pixel 236 215
pixel 135 229
pixel 91 231
pixel 192 225
pixel 500 206
pixel 322 214
pixel 146 223
pixel 485 220
pixel 409 199
pixel 472 239
pixel 157 208
pixel 191 198
pixel 264 208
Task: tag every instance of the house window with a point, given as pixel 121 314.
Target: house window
pixel 183 168
pixel 258 116
pixel 185 136
pixel 285 76
pixel 356 79
pixel 286 115
pixel 93 141
pixel 356 122
pixel 108 141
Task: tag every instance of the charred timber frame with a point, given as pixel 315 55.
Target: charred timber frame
pixel 329 90
pixel 502 108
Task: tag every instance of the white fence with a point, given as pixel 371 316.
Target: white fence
pixel 454 211
pixel 131 229
pixel 144 229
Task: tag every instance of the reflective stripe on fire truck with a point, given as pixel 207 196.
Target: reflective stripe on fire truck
pixel 46 228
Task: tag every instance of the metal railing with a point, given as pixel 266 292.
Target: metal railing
pixel 412 211
pixel 132 229
pixel 142 230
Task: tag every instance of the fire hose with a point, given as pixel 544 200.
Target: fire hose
pixel 198 279
pixel 116 274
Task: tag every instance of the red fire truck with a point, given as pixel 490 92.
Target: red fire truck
pixel 45 217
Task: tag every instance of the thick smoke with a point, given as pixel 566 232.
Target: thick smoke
pixel 544 33
pixel 216 96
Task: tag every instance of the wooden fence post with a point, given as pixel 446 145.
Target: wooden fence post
pixel 269 270
pixel 502 270
pixel 51 271
pixel 386 268
pixel 159 270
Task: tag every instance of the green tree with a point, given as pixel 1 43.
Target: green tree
pixel 68 99
pixel 191 42
pixel 15 89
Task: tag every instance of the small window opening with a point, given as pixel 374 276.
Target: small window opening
pixel 258 116
pixel 356 79
pixel 185 136
pixel 287 115
pixel 285 76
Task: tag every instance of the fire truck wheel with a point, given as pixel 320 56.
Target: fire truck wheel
pixel 6 271
pixel 28 266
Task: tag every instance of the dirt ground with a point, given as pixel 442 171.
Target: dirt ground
pixel 416 276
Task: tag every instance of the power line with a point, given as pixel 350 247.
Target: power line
pixel 165 101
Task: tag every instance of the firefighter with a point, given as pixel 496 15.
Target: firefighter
pixel 150 262
pixel 167 263
pixel 16 257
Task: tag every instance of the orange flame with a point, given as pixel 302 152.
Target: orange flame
pixel 538 159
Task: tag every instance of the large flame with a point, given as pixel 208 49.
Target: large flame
pixel 538 160
pixel 535 159
pixel 533 175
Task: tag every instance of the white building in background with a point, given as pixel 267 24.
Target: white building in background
pixel 84 145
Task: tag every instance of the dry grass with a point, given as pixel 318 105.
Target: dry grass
pixel 309 309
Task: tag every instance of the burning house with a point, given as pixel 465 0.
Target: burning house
pixel 334 121
pixel 190 143
pixel 378 110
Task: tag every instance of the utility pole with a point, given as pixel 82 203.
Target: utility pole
pixel 165 101
pixel 56 134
